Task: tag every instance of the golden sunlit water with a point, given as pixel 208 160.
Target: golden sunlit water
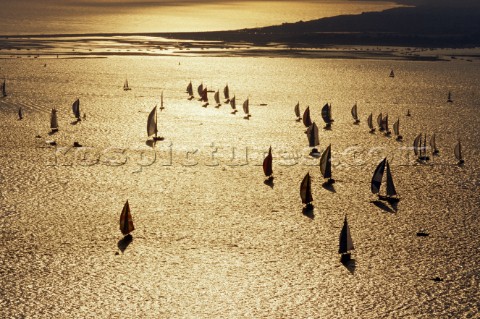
pixel 211 240
pixel 65 17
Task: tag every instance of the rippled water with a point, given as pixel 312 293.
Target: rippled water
pixel 211 239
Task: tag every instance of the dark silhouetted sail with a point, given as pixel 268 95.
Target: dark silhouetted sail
pixel 190 89
pixel 312 135
pixel 233 105
pixel 377 177
pixel 307 121
pixel 306 190
pixel 297 110
pixel 76 109
pixel 433 144
pixel 396 127
pixel 200 90
pixel 380 122
pixel 53 120
pixel 4 89
pixel 20 113
pixel 267 163
pixel 346 242
pixel 216 97
pixel 246 107
pixel 370 122
pixel 327 113
pixel 161 102
pixel 458 151
pixel 390 186
pixel 226 94
pixel 126 221
pixel 326 163
pixel 449 99
pixel 392 74
pixel 125 86
pixel 417 144
pixel 152 123
pixel 355 113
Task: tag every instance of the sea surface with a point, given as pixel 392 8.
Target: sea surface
pixel 27 17
pixel 211 240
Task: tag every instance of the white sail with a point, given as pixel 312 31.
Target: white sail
pixel 396 127
pixel 152 122
pixel 312 135
pixel 370 121
pixel 297 109
pixel 458 151
pixel 326 162
pixel 53 120
pixel 126 221
pixel 246 106
pixel 354 112
pixel 390 186
pixel 377 177
pixel 76 109
pixel 346 242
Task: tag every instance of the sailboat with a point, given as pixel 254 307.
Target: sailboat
pixel 327 115
pixel 233 105
pixel 355 114
pixel 370 123
pixel 326 164
pixel 246 109
pixel 216 97
pixel 433 145
pixel 458 153
pixel 226 94
pixel 396 130
pixel 152 125
pixel 190 91
pixel 419 150
pixel 53 121
pixel 76 110
pixel 408 112
pixel 267 165
pixel 297 112
pixel 4 89
pixel 200 91
pixel 161 102
pixel 306 192
pixel 449 99
pixel 204 97
pixel 385 126
pixel 391 193
pixel 125 85
pixel 126 221
pixel 307 121
pixel 345 243
pixel 380 122
pixel 392 74
pixel 20 113
pixel 313 139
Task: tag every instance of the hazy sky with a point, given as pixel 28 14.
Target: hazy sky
pixel 130 16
